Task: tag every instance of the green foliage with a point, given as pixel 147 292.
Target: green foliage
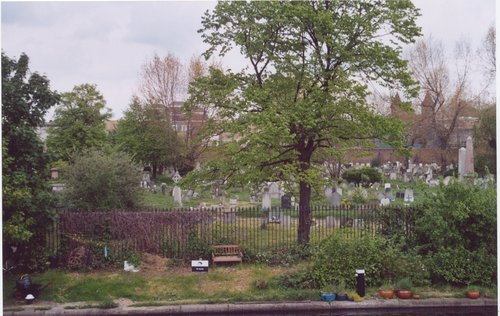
pixel 300 279
pixel 338 258
pixel 404 284
pixel 457 234
pixel 283 256
pixel 100 181
pixel 304 92
pixel 397 223
pixel 145 132
pixel 363 176
pixel 78 124
pixel 485 141
pixel 26 198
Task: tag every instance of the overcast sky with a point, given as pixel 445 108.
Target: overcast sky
pixel 106 43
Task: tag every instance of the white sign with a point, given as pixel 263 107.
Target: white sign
pixel 199 265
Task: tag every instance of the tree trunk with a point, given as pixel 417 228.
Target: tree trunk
pixel 304 213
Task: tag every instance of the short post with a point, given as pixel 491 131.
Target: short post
pixel 360 282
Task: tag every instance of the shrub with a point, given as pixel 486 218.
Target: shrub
pixel 363 176
pixel 338 258
pixel 101 181
pixel 457 234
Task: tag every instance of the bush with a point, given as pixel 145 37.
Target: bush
pixel 365 176
pixel 99 181
pixel 457 234
pixel 338 258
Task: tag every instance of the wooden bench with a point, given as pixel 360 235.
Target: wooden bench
pixel 226 253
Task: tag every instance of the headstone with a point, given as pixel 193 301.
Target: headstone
pixel 286 201
pixel 387 186
pixel 339 191
pixel 433 183
pixel 177 194
pixel 408 197
pixel 233 202
pixel 393 176
pixel 274 190
pixel 54 173
pixel 385 201
pixel 400 195
pixel 447 180
pixel 285 221
pixel 469 156
pixel 189 193
pixel 330 222
pixel 164 188
pixel 336 199
pixel 177 177
pixel 405 177
pixel 388 194
pixel 266 199
pixel 376 185
pixel 461 162
pixel 328 192
pixel 229 217
pixel 358 223
pixel 196 195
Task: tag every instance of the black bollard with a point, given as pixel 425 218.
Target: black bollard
pixel 360 282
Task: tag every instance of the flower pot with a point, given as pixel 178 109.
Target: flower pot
pixel 473 294
pixel 404 294
pixel 386 294
pixel 328 297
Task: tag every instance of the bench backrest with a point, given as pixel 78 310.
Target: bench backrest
pixel 226 250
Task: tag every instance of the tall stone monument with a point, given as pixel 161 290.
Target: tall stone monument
pixel 461 163
pixel 469 156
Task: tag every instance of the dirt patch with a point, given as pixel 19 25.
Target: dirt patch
pixel 153 264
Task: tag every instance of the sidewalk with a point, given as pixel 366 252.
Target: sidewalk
pixel 304 307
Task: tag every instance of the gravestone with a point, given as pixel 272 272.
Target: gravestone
pixel 461 163
pixel 164 188
pixel 405 177
pixel 408 197
pixel 177 194
pixel 286 202
pixel 196 195
pixel 385 201
pixel 358 223
pixel 388 193
pixel 330 222
pixel 233 203
pixel 400 195
pixel 336 199
pixel 189 193
pixel 387 186
pixel 266 199
pixel 328 192
pixel 229 217
pixel 274 190
pixel 469 156
pixel 285 221
pixel 338 190
pixel 376 185
pixel 393 176
pixel 447 180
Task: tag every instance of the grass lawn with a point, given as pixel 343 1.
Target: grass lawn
pixel 178 285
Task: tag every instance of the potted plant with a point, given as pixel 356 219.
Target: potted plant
pixel 404 288
pixel 386 290
pixel 473 292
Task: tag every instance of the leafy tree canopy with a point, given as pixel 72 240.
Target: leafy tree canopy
pixel 306 87
pixel 26 199
pixel 145 132
pixel 79 122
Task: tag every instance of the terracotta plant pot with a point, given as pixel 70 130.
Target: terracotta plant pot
pixel 473 294
pixel 386 294
pixel 404 294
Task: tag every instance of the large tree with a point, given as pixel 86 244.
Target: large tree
pixel 26 200
pixel 145 132
pixel 79 122
pixel 306 87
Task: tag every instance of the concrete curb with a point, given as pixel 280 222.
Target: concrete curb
pixel 267 307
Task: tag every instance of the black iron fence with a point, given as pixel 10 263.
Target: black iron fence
pixel 176 233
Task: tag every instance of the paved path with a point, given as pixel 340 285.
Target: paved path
pixel 369 305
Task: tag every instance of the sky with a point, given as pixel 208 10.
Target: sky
pixel 107 43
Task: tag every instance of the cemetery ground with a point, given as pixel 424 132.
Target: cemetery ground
pixel 162 281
